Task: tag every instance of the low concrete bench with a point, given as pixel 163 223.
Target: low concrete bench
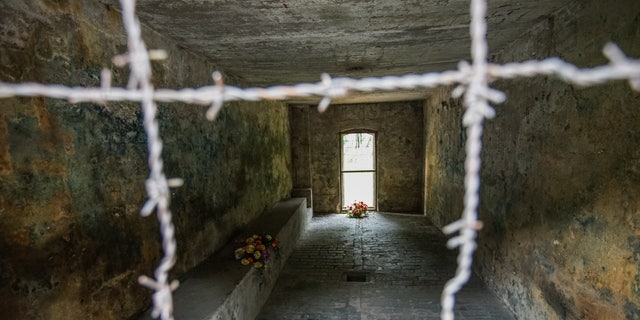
pixel 222 288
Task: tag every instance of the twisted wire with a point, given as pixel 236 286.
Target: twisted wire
pixel 157 186
pixel 472 80
pixel 477 109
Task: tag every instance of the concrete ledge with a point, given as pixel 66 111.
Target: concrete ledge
pixel 222 288
pixel 303 192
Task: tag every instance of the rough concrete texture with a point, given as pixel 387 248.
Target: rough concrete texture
pixel 399 144
pixel 291 219
pixel 221 288
pixel 406 265
pixel 560 182
pixel 72 175
pixel 275 42
pixel 300 146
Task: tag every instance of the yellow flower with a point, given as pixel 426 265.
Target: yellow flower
pixel 254 249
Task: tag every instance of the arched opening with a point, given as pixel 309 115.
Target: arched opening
pixel 358 168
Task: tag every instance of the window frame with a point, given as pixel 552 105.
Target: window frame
pixel 344 205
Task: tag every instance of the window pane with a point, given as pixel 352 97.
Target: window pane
pixel 358 186
pixel 358 151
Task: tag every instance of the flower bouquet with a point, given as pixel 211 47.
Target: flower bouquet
pixel 357 210
pixel 256 250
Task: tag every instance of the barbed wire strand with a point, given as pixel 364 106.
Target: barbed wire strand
pixel 472 81
pixel 476 99
pixel 618 69
pixel 157 186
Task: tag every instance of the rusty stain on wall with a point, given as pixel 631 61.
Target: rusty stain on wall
pixel 72 175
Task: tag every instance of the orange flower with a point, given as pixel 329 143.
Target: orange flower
pixel 253 250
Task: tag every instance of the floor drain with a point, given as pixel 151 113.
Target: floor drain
pixel 356 276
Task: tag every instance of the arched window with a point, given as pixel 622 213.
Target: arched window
pixel 358 168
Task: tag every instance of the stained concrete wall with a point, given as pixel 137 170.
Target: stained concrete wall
pixel 300 148
pixel 560 194
pixel 398 127
pixel 72 241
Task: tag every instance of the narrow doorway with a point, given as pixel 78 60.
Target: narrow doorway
pixel 358 168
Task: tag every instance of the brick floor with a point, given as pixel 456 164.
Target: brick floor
pixel 407 265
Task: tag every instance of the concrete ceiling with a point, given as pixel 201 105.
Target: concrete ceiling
pixel 266 42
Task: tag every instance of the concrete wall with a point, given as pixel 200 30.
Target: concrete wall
pixel 399 152
pixel 300 148
pixel 72 242
pixel 560 194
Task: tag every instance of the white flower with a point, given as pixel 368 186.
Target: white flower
pixel 239 253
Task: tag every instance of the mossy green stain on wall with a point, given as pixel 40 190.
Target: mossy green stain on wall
pixel 72 179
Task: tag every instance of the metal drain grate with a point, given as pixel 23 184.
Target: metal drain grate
pixel 356 276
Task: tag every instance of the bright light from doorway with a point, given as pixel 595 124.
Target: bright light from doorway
pixel 358 168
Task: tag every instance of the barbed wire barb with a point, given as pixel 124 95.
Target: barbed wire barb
pixel 157 186
pixel 218 96
pixel 471 81
pixel 476 99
